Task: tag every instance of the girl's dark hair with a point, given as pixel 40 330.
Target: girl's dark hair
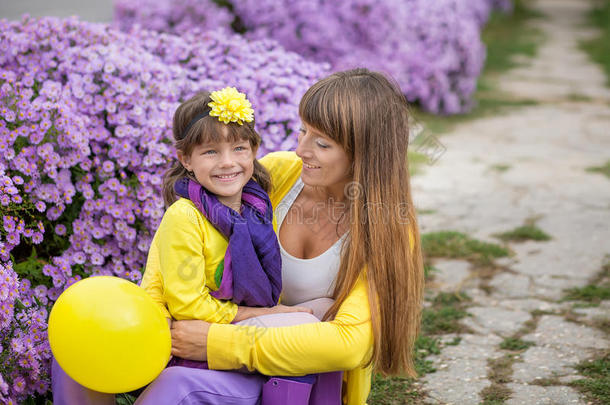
pixel 206 129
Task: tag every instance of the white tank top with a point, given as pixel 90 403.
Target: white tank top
pixel 306 279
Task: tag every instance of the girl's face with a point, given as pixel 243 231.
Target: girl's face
pixel 325 163
pixel 223 168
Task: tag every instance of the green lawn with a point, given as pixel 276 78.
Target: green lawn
pixel 598 48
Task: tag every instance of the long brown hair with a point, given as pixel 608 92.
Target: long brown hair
pixel 367 115
pixel 206 129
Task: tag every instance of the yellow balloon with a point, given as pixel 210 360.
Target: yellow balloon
pixel 109 335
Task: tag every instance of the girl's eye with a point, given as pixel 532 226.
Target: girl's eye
pixel 240 148
pixel 208 152
pixel 322 145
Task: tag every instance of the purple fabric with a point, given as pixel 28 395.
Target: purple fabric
pixel 180 362
pixel 252 266
pixel 174 386
pixel 190 386
pixel 66 391
pixel 327 389
pixel 279 391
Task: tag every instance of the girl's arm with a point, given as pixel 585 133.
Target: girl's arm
pixel 175 273
pixel 178 249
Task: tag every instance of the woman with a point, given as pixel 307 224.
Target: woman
pixel 351 182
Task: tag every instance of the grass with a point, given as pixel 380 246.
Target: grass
pixel 598 48
pixel 596 385
pixel 440 318
pixel 495 394
pixel 523 233
pixel 456 245
pixel 429 270
pixel 501 167
pixel 546 382
pixel 509 35
pixel 443 315
pixel 416 162
pixel 593 293
pixel 394 391
pixel 590 293
pixel 506 36
pixel 404 390
pixel 604 169
pixel 500 371
pixel 515 344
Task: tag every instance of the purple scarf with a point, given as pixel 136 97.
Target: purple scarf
pixel 252 264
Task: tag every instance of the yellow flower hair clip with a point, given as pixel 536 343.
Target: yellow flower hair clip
pixel 229 105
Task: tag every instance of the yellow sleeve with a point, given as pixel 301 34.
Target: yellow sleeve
pixel 179 242
pixel 284 168
pixel 151 279
pixel 342 344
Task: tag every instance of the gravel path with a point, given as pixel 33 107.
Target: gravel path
pixel 547 148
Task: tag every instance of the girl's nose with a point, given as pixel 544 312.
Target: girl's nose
pixel 226 159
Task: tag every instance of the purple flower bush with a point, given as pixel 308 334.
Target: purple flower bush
pixel 24 350
pixel 85 137
pixel 432 48
pixel 180 15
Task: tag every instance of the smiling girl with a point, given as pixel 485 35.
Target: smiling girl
pixel 215 256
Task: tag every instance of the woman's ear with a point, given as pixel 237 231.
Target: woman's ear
pixel 185 160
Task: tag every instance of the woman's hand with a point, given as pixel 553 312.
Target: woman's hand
pixel 190 339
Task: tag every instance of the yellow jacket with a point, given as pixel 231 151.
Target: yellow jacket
pixel 345 343
pixel 185 263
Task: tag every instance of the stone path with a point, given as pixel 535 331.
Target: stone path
pixel 547 147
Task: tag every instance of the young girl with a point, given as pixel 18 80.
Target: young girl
pixel 215 256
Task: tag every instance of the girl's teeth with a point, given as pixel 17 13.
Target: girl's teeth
pixel 227 176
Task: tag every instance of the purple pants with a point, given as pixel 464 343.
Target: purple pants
pixel 174 386
pixel 183 385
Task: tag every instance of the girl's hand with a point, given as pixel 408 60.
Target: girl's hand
pixel 244 313
pixel 190 339
pixel 282 309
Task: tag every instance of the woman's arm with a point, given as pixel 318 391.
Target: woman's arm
pixel 342 344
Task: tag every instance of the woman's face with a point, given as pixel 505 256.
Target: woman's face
pixel 325 163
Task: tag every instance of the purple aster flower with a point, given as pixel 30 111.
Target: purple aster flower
pixel 37 238
pixel 40 206
pixel 9 223
pixel 12 238
pixel 60 229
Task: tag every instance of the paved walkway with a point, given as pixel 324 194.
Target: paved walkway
pixel 547 147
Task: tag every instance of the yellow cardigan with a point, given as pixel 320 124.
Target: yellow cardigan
pixel 345 343
pixel 185 263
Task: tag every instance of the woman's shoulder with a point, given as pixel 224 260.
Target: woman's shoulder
pixel 284 168
pixel 275 161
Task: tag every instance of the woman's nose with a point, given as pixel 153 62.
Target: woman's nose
pixel 303 148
